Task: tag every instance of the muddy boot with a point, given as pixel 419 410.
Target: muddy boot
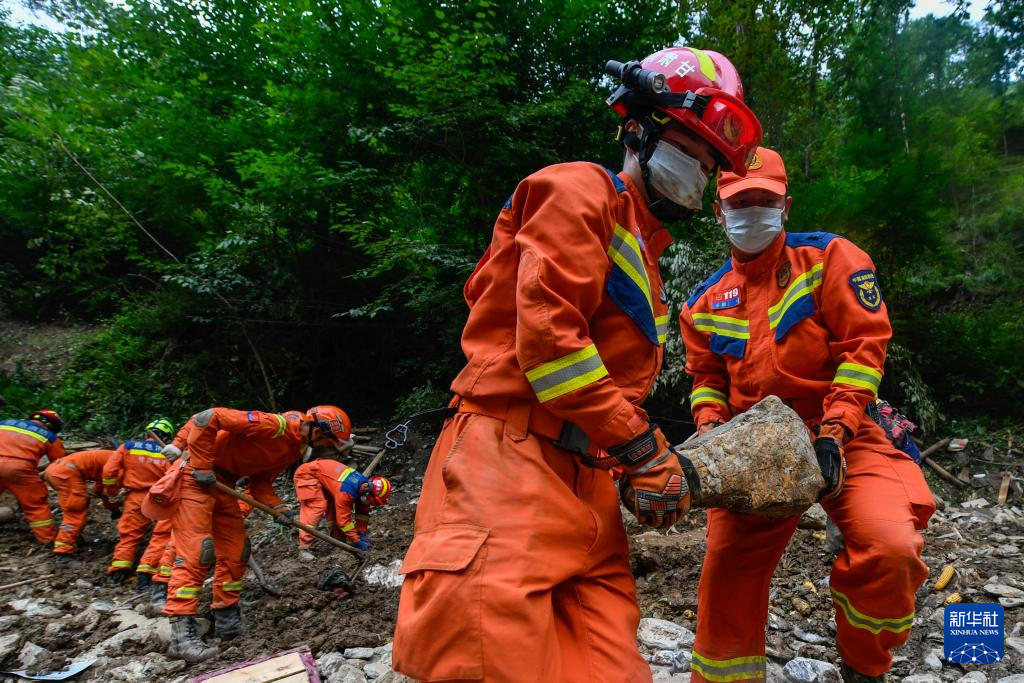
pixel 185 642
pixel 143 582
pixel 851 676
pixel 227 622
pixel 157 599
pixel 63 561
pixel 118 576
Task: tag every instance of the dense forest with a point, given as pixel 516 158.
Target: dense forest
pixel 275 204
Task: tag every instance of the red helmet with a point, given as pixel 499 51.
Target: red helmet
pixel 701 90
pixel 50 419
pixel 378 490
pixel 334 423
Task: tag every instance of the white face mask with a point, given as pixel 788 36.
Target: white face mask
pixel 677 176
pixel 752 229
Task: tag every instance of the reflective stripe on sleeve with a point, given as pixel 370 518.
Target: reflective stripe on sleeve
pixel 232 586
pixel 282 424
pixel 735 669
pixel 661 323
pixel 351 526
pixel 736 328
pixel 568 373
pixel 858 619
pixel 42 522
pixel 803 285
pixel 625 252
pixel 707 395
pixel 344 473
pixel 856 375
pixel 109 482
pixel 121 564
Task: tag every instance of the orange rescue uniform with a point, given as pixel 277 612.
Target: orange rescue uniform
pixel 67 476
pixel 805 321
pixel 325 491
pixel 22 444
pixel 566 327
pixel 207 525
pixel 136 465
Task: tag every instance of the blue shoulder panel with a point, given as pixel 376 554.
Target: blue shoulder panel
pixel 616 180
pixel 29 426
pixel 809 239
pixel 352 483
pixel 151 446
pixel 709 283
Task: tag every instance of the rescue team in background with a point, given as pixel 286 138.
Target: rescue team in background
pixel 518 528
pixel 198 527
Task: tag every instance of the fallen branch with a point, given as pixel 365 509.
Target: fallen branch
pixel 24 583
pixel 261 578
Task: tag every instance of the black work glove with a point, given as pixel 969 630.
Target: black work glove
pixel 285 516
pixel 829 453
pixel 204 478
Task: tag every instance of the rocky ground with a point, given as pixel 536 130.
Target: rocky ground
pixel 71 615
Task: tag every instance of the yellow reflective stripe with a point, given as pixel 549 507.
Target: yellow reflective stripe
pixel 625 252
pixel 568 373
pixel 165 570
pixel 803 284
pixel 19 430
pixel 188 592
pixel 57 544
pixel 233 586
pixel 121 564
pixel 858 375
pixel 146 569
pixel 362 518
pixel 661 324
pixel 707 395
pixel 722 324
pixel 109 482
pixel 858 619
pixel 344 473
pixel 282 424
pixel 147 454
pixel 349 527
pixel 725 670
pixel 707 67
pixel 42 522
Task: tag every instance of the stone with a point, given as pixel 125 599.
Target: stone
pixel 8 644
pixel 975 503
pixel 834 541
pixel 152 667
pixel 973 677
pixel 1011 642
pixel 774 673
pixel 375 670
pixel 933 660
pixel 802 606
pixel 126 619
pixel 394 677
pixel 807 637
pixel 814 517
pixel 809 651
pixel 777 623
pixel 1015 678
pixel 6 514
pixel 30 654
pixel 659 634
pixel 359 653
pixel 156 634
pixel 384 575
pixel 803 670
pixel 83 584
pixel 1003 591
pixel 34 608
pixel 782 480
pixel 922 678
pixel 661 673
pixel 664 658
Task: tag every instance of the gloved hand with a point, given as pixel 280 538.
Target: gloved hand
pixel 204 478
pixel 707 427
pixel 171 452
pixel 654 488
pixel 365 540
pixel 285 516
pixel 362 545
pixel 828 449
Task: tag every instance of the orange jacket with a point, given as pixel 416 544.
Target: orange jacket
pixel 88 465
pixel 236 443
pixel 804 321
pixel 135 465
pixel 181 438
pixel 341 482
pixel 567 305
pixel 29 440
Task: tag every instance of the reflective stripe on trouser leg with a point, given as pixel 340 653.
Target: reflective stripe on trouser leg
pixel 229 538
pixel 884 502
pixel 733 595
pixel 74 505
pixel 131 527
pixel 155 548
pixel 574 599
pixel 22 479
pixel 191 524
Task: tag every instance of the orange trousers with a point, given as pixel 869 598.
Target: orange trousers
pixel 314 505
pixel 21 478
pixel 519 569
pixel 132 527
pixel 74 504
pixel 163 574
pixel 884 503
pixel 208 527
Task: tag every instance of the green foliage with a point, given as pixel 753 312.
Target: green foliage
pixel 327 174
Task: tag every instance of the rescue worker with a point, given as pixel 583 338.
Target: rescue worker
pixel 329 489
pixel 135 466
pixel 68 476
pixel 801 316
pixel 518 530
pixel 22 444
pixel 207 526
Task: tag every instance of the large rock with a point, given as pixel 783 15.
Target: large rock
pixel 9 643
pixel 152 667
pixel 922 678
pixel 31 654
pixel 802 670
pixel 761 461
pixel 659 634
pixel 973 677
pixel 6 514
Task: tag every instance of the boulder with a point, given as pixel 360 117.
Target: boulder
pixel 31 654
pixel 803 670
pixel 973 677
pixel 922 678
pixel 149 668
pixel 659 634
pixel 359 653
pixel 9 643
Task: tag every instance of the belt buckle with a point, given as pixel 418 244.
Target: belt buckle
pixel 573 439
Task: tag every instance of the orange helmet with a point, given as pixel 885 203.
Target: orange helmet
pixel 699 89
pixel 49 418
pixel 378 490
pixel 334 424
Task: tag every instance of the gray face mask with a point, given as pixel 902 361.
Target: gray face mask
pixel 752 229
pixel 677 176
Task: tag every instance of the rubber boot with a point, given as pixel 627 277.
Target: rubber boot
pixel 143 582
pixel 63 560
pixel 118 576
pixel 157 599
pixel 851 676
pixel 185 642
pixel 227 622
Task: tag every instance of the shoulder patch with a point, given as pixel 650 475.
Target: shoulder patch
pixel 620 186
pixel 865 287
pixel 809 239
pixel 710 282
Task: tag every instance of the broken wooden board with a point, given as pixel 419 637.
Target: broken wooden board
pixel 290 666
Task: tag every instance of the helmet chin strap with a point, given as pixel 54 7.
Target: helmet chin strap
pixel 643 145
